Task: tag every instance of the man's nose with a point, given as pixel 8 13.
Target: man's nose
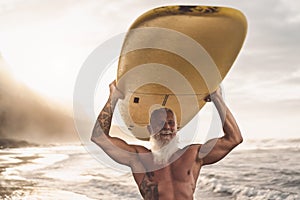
pixel 167 126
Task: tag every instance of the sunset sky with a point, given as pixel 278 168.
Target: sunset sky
pixel 45 43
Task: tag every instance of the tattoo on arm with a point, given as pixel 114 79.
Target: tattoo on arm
pixel 104 119
pixel 148 188
pixel 97 131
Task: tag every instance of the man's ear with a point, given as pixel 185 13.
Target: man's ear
pixel 149 129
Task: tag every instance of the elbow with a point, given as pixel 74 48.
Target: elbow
pixel 99 140
pixel 234 142
pixel 93 139
pixel 96 140
pixel 241 139
pixel 234 136
pixel 238 140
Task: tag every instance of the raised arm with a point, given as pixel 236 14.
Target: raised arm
pixel 216 149
pixel 116 148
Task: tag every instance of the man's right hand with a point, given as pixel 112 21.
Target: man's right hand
pixel 115 93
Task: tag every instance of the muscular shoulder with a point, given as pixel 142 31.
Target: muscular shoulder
pixel 194 151
pixel 189 152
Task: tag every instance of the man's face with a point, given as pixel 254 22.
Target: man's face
pixel 163 127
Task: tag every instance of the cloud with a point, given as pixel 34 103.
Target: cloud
pixel 266 72
pixel 272 42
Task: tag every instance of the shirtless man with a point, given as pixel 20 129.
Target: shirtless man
pixel 165 171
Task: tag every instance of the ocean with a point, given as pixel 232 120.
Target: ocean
pixel 256 170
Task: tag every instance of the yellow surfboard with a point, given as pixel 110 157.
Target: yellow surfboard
pixel 173 57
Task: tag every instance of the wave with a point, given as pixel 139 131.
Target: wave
pixel 266 144
pixel 242 192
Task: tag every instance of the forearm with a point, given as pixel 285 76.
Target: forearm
pixel 230 127
pixel 103 122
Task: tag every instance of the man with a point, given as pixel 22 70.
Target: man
pixel 165 171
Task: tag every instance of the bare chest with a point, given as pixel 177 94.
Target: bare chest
pixel 168 183
pixel 174 181
pixel 171 182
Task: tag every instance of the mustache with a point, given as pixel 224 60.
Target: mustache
pixel 166 132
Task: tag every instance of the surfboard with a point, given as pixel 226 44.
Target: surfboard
pixel 174 56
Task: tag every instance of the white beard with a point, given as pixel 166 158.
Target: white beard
pixel 162 153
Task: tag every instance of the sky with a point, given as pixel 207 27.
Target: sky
pixel 45 44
